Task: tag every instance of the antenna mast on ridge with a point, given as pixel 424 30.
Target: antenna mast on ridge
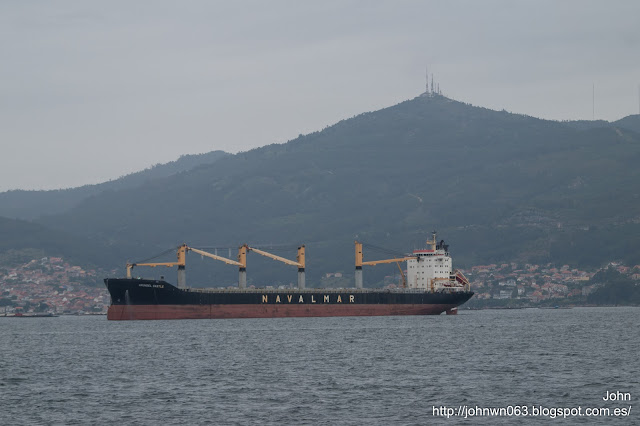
pixel 427 83
pixel 594 102
pixel 431 88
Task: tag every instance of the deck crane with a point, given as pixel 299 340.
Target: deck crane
pixel 300 261
pixel 241 263
pixel 360 264
pixel 181 264
pixel 182 254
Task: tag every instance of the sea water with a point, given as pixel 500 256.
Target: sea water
pixel 348 371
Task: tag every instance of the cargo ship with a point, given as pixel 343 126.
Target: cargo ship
pixel 430 287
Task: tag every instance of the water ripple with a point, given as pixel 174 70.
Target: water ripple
pixel 351 371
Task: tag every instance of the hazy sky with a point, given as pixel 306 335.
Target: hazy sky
pixel 94 90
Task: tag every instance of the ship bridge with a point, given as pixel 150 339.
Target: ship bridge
pixel 431 268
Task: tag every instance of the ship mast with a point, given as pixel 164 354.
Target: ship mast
pixel 433 242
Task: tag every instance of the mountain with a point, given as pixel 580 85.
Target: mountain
pixel 22 241
pixel 29 205
pixel 497 186
pixel 631 122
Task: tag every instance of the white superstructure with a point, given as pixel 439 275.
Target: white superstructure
pixel 431 269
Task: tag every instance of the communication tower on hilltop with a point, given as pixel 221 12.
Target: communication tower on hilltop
pixel 431 88
pixel 427 83
pixel 593 102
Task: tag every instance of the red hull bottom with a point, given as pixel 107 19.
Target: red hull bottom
pixel 163 312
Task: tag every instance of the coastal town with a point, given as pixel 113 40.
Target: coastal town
pixel 513 284
pixel 52 285
pixel 532 282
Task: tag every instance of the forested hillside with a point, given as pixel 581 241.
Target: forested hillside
pixel 497 186
pixel 20 204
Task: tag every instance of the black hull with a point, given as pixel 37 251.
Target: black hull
pixel 150 299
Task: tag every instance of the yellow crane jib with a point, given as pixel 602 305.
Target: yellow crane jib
pixel 216 257
pixel 376 262
pixel 301 259
pixel 278 258
pixel 360 263
pixel 182 251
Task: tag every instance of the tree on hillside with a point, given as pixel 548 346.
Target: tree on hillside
pixel 614 289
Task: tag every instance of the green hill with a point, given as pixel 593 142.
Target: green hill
pixel 29 205
pixel 497 186
pixel 23 241
pixel 631 122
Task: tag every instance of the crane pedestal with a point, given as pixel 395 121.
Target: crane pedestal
pixel 358 276
pixel 242 278
pixel 182 277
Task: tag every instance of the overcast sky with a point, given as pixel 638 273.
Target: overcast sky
pixel 90 91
